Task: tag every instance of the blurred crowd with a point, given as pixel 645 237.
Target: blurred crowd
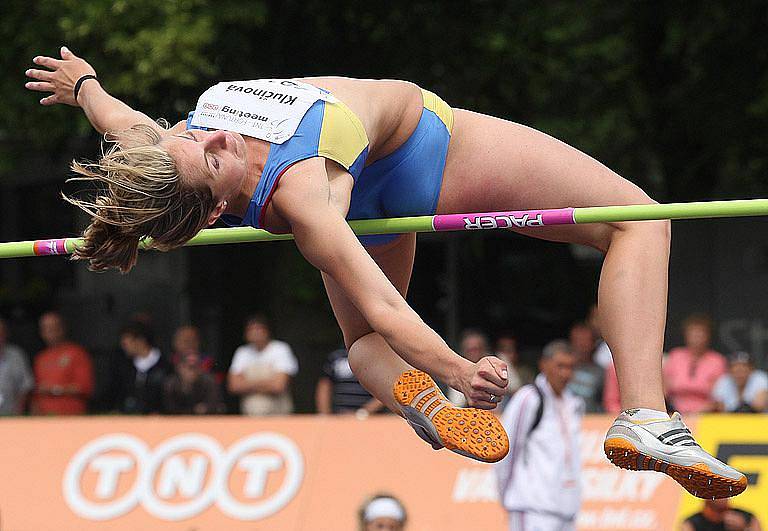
pixel 140 379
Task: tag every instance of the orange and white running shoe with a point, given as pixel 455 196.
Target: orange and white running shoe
pixel 470 432
pixel 667 445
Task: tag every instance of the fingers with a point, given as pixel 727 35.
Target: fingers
pixel 49 100
pixel 482 404
pixel 494 370
pixel 485 395
pixel 484 388
pixel 40 86
pixel 42 75
pixel 500 367
pixel 48 62
pixel 66 53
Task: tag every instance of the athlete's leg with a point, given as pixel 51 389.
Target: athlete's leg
pixel 373 361
pixel 498 165
pixel 402 388
pixel 494 164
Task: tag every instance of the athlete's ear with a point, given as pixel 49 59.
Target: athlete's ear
pixel 221 207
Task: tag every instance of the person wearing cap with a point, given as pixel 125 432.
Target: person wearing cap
pixel 383 512
pixel 743 389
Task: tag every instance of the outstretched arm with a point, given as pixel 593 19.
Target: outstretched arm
pixel 105 112
pixel 327 242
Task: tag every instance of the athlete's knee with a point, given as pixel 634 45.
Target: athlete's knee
pixel 352 338
pixel 355 360
pixel 660 231
pixel 655 233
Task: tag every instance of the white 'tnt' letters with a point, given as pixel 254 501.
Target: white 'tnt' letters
pixel 178 477
pixel 258 468
pixel 109 468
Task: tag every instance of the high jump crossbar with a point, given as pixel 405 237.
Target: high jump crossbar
pixel 516 219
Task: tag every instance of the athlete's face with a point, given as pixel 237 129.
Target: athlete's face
pixel 216 159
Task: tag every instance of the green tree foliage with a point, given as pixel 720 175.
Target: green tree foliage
pixel 673 96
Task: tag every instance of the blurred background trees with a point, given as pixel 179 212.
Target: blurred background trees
pixel 673 96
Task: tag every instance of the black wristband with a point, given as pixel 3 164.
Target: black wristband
pixel 80 81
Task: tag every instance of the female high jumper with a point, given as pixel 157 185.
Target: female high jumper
pixel 305 155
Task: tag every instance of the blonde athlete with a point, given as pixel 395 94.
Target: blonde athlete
pixel 305 155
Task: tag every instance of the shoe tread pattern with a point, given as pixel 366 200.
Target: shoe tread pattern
pixel 471 432
pixel 697 479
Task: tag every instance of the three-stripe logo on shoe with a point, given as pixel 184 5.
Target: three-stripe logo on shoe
pixel 678 437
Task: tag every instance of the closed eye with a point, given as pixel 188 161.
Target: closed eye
pixel 211 162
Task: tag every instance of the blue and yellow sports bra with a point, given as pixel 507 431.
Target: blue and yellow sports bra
pixel 404 183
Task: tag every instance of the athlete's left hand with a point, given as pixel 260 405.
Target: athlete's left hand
pixel 61 77
pixel 484 383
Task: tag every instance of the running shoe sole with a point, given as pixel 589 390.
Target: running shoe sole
pixel 470 432
pixel 697 479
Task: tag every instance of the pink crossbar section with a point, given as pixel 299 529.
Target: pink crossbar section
pixel 516 219
pixel 48 247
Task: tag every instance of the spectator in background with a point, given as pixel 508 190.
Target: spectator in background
pixel 190 390
pixel 261 371
pixel 519 374
pixel 141 379
pixel 588 377
pixel 717 515
pixel 339 391
pixel 63 371
pixel 538 480
pixel 15 377
pixel 690 372
pixel 186 341
pixel 743 389
pixel 382 512
pixel 602 355
pixel 474 346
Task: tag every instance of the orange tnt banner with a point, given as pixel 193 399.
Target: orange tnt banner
pixel 288 473
pixel 291 473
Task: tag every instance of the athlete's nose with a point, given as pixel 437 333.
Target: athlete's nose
pixel 216 140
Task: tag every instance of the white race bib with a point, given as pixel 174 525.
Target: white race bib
pixel 267 109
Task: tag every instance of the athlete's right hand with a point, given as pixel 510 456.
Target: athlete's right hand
pixel 61 77
pixel 483 383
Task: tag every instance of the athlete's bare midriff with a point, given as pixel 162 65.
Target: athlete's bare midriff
pixel 389 109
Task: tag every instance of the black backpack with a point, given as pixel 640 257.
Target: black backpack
pixel 539 410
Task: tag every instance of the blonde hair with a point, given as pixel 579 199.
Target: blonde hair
pixel 139 194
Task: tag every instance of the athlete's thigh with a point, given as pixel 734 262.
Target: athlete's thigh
pixel 396 261
pixel 494 164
